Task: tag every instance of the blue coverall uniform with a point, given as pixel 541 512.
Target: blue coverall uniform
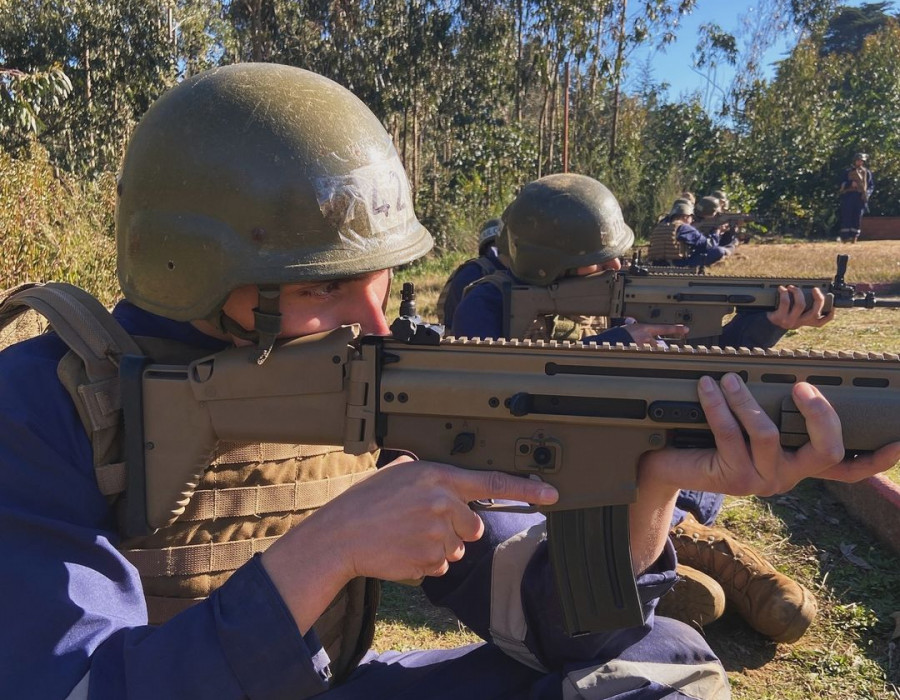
pixel 464 275
pixel 704 249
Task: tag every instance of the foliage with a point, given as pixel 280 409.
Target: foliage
pixel 118 56
pixel 849 27
pixel 802 129
pixel 481 97
pixel 23 96
pixel 54 227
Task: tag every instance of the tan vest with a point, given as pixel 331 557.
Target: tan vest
pixel 664 244
pixel 572 328
pixel 249 496
pixel 858 180
pixel 550 327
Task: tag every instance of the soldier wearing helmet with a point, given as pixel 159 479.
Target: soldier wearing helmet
pixel 706 212
pixel 261 201
pixel 571 225
pixel 856 188
pixel 723 199
pixel 560 225
pixel 702 239
pixel 490 259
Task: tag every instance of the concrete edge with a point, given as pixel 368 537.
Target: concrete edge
pixel 876 503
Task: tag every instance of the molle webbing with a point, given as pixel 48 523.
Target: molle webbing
pixel 249 496
pixel 664 245
pixel 257 500
pixel 545 327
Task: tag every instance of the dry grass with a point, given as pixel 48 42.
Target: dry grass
pixel 870 261
pixel 847 653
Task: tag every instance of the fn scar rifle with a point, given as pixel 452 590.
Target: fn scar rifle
pixel 576 416
pixel 698 301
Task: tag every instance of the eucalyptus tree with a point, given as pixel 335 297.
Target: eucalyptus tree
pixel 202 33
pixel 24 98
pixel 118 56
pixel 481 152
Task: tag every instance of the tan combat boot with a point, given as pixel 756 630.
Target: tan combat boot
pixel 695 599
pixel 770 602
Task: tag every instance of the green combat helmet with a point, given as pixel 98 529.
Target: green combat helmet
pixel 707 207
pixel 723 199
pixel 257 174
pixel 562 222
pixel 681 208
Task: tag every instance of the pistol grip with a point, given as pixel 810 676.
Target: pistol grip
pixel 591 556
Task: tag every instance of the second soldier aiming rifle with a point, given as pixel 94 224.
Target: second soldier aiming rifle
pixel 700 302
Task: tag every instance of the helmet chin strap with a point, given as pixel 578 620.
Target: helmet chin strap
pixel 387 294
pixel 266 322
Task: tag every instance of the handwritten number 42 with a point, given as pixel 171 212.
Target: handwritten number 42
pixel 384 207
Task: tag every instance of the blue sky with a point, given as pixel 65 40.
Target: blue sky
pixel 673 64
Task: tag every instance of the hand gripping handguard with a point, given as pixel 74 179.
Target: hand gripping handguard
pixel 576 416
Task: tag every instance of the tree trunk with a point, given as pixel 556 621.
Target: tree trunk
pixel 617 83
pixel 520 21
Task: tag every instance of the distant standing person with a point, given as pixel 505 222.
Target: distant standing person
pixel 856 188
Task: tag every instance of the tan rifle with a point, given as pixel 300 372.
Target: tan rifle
pixel 698 301
pixel 576 416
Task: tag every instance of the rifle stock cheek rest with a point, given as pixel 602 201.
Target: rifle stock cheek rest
pixel 299 395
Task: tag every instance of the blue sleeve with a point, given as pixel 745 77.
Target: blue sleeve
pixel 72 605
pixel 690 236
pixel 465 275
pixel 480 313
pixel 617 334
pixel 750 329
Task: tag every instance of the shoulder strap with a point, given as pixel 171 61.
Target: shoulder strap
pixel 82 322
pixel 99 342
pixel 486 264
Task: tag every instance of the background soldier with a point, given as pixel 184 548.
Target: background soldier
pixel 490 259
pixel 856 188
